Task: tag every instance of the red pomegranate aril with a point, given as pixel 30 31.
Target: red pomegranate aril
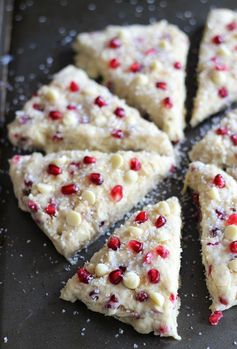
pixel 69 189
pixel 118 134
pixel 177 65
pixel 163 329
pixel 223 92
pixel 50 209
pixel 232 219
pixel 114 243
pixel 115 277
pixel 112 302
pixel 71 107
pixel 141 217
pixel 148 258
pixel 54 170
pixel 119 112
pixel 32 206
pixel 217 39
pixel 84 275
pixel 135 67
pixel 160 221
pixel 96 178
pixel 161 85
pixel 167 102
pixel 38 107
pixel 233 247
pixel 234 139
pixel 114 43
pixel 153 276
pixel 219 181
pixel 223 301
pixel 57 137
pixel 100 102
pixel 135 246
pixel 116 193
pixel 135 164
pixel 162 251
pixel 114 63
pixel 172 297
pixel 141 296
pixel 222 131
pixel 55 115
pixel 220 67
pixel 231 26
pixel 74 87
pixel 221 214
pixel 89 160
pixel 150 51
pixel 215 317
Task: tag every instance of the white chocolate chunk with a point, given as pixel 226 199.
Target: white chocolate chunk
pixel 231 232
pixel 44 188
pixel 101 269
pixel 158 299
pixel 73 218
pixel 89 196
pixel 233 265
pixel 117 161
pixel 131 280
pixel 131 176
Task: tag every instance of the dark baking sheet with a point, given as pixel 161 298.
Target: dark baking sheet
pixel 32 273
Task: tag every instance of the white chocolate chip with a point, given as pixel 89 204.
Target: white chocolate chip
pixel 50 93
pixel 117 161
pixel 134 231
pixel 131 280
pixel 60 161
pixel 156 66
pixel 223 51
pixel 157 298
pixel 233 265
pixel 140 79
pixel 69 118
pixel 221 276
pixel 230 232
pixel 218 77
pixel 213 194
pixel 73 218
pixel 101 269
pixel 164 44
pixel 164 208
pixel 101 120
pixel 89 196
pixel 131 176
pixel 44 188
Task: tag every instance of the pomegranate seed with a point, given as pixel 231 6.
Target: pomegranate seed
pixel 114 243
pixel 96 178
pixel 223 92
pixel 94 294
pixel 112 302
pixel 69 189
pixel 217 39
pixel 71 107
pixel 50 209
pixel 100 101
pixel 116 193
pixel 172 298
pixel 141 217
pixel 219 181
pixel 135 67
pixel 215 317
pixel 223 301
pixel 233 247
pixel 222 131
pixel 162 251
pixel 150 51
pixel 118 134
pixel 177 65
pixel 89 160
pixel 74 87
pixel 38 107
pixel 32 206
pixel 115 277
pixel 54 170
pixel 148 257
pixel 114 63
pixel 141 296
pixel 135 246
pixel 167 102
pixel 153 276
pixel 114 43
pixel 55 115
pixel 119 112
pixel 234 139
pixel 135 164
pixel 161 85
pixel 163 329
pixel 221 215
pixel 232 219
pixel 220 67
pixel 57 137
pixel 231 26
pixel 84 275
pixel 160 221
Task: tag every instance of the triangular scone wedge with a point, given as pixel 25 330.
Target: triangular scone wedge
pixel 74 112
pixel 217 193
pixel 145 64
pixel 219 146
pixel 135 276
pixel 217 67
pixel 74 195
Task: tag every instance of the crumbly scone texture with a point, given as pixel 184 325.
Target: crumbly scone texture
pixel 74 195
pixel 217 193
pixel 74 112
pixel 217 67
pixel 143 64
pixel 219 146
pixel 118 281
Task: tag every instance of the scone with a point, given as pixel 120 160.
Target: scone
pixel 135 276
pixel 217 197
pixel 217 67
pixel 145 64
pixel 74 112
pixel 74 196
pixel 219 146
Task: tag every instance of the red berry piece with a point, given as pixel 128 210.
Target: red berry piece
pixel 96 178
pixel 141 217
pixel 135 164
pixel 221 215
pixel 231 26
pixel 54 170
pixel 233 247
pixel 220 67
pixel 163 329
pixel 135 246
pixel 57 137
pixel 114 43
pixel 177 65
pixel 223 92
pixel 172 297
pixel 215 317
pixel 141 296
pixel 222 131
pixel 161 85
pixel 162 251
pixel 223 301
pixel 135 67
pixel 219 181
pixel 153 276
pixel 114 243
pixel 84 275
pixel 118 134
pixel 234 139
pixel 100 102
pixel 74 87
pixel 89 160
pixel 119 112
pixel 150 51
pixel 32 206
pixel 115 277
pixel 232 219
pixel 167 103
pixel 55 115
pixel 116 193
pixel 71 107
pixel 148 257
pixel 160 221
pixel 38 107
pixel 50 210
pixel 114 63
pixel 112 303
pixel 217 39
pixel 69 189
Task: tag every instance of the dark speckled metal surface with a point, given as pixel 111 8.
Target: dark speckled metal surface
pixel 32 273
